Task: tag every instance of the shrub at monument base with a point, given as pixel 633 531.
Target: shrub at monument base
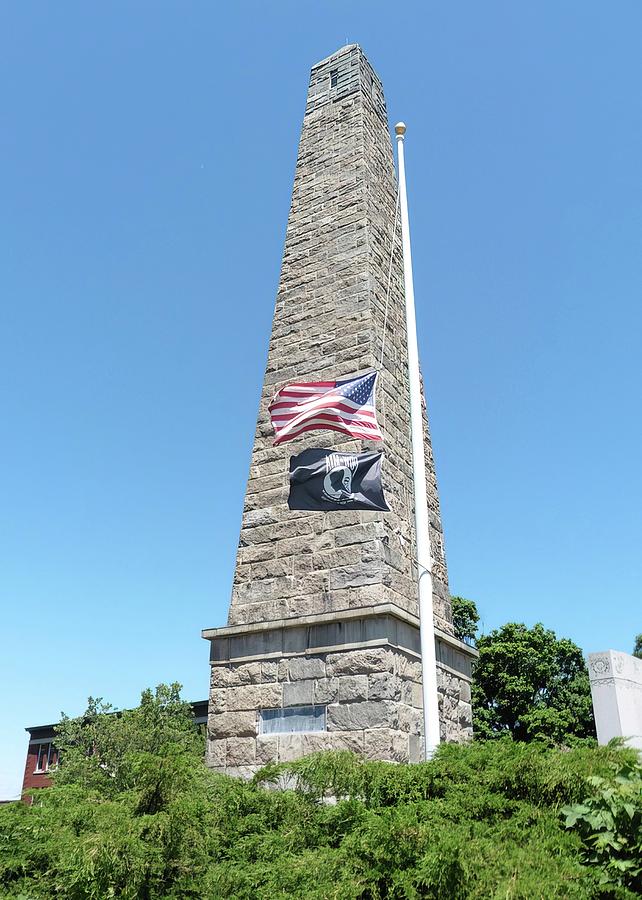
pixel 483 820
pixel 610 822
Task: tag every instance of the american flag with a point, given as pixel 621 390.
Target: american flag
pixel 346 406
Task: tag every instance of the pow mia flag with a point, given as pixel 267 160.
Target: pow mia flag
pixel 327 480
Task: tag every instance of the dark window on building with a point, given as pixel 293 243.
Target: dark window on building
pixel 334 77
pixel 47 757
pixel 292 719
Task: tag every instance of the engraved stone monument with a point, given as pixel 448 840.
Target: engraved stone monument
pixel 321 649
pixel 616 690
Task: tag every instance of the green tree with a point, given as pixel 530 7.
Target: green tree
pixel 102 749
pixel 637 647
pixel 465 618
pixel 529 684
pixel 127 815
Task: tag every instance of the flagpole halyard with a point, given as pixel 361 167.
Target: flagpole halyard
pixel 422 526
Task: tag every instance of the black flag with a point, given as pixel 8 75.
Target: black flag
pixel 327 480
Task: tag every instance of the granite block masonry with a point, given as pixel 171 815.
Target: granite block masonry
pixel 321 649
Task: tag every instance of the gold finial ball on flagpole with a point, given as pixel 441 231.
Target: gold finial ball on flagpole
pixel 400 128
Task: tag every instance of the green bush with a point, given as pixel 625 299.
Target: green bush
pixel 609 821
pixel 137 815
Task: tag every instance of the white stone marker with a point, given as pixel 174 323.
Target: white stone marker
pixel 616 689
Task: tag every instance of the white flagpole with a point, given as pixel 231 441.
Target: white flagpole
pixel 424 555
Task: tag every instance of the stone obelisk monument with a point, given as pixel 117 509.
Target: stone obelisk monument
pixel 321 649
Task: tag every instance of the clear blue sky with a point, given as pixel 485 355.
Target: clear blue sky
pixel 147 153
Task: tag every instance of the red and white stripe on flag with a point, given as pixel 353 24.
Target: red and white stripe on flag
pixel 345 406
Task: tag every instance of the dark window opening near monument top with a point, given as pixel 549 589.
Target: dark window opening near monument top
pixel 292 719
pixel 334 77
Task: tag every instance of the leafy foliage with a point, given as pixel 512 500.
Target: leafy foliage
pixel 104 749
pixel 465 618
pixel 637 647
pixel 134 813
pixel 610 823
pixel 529 684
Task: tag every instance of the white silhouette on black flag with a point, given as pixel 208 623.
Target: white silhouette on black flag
pixel 327 480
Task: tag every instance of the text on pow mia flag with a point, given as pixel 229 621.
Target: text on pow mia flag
pixel 327 480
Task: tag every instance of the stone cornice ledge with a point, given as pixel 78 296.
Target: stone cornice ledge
pixel 344 615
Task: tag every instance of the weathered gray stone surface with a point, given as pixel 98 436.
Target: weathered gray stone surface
pixel 355 661
pixel 359 701
pixel 330 322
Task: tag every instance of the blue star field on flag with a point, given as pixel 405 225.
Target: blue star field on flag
pixel 347 406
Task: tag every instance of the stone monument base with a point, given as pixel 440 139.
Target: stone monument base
pixel 347 680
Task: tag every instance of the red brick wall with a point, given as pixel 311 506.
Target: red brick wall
pixel 33 779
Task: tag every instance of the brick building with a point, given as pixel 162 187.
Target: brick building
pixel 42 755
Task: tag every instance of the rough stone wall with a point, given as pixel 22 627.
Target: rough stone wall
pixel 303 573
pixel 372 699
pixel 455 710
pixel 329 323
